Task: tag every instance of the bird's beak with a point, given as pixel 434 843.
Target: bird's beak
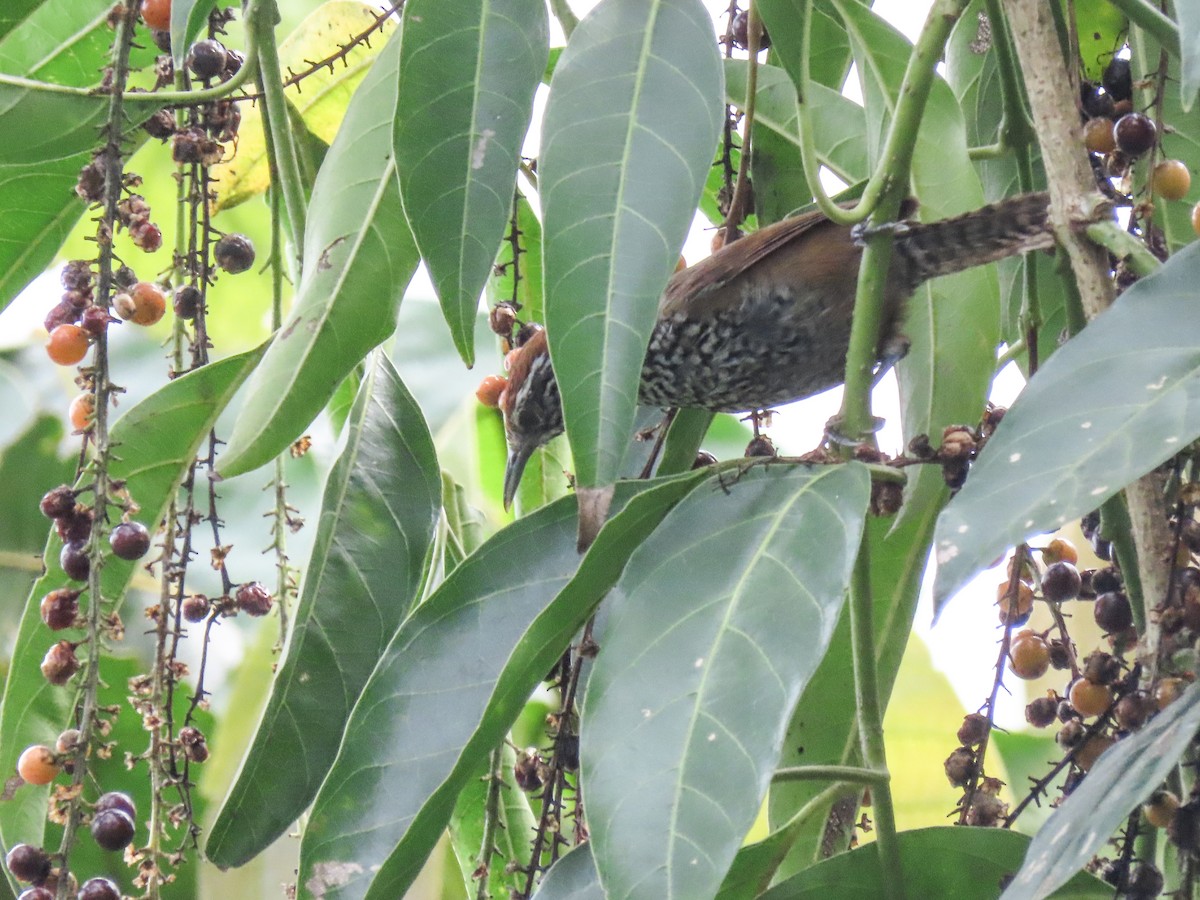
pixel 517 458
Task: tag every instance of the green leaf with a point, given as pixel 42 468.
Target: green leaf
pixel 358 258
pixel 963 863
pixel 573 877
pixel 1124 776
pixel 368 563
pixel 37 127
pixel 1100 27
pixel 829 48
pixel 451 684
pixel 14 12
pixel 839 128
pixel 1188 15
pixel 1132 378
pixel 711 636
pixel 156 441
pixel 627 139
pixel 468 72
pixel 319 110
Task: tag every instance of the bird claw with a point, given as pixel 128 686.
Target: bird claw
pixel 835 435
pixel 862 232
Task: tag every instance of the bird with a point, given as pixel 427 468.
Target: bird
pixel 766 319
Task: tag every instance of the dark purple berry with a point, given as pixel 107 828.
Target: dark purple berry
pixel 76 526
pixel 234 253
pixel 1118 79
pixel 28 864
pixel 161 125
pixel 187 301
pixel 99 889
pixel 117 800
pixel 60 663
pixel 125 277
pixel 1061 582
pixel 74 561
pixel 130 540
pixel 64 313
pixel 253 599
pixel 95 320
pixel 36 893
pixel 1113 613
pixel 1134 134
pixel 195 608
pixel 207 59
pixel 60 608
pixel 112 829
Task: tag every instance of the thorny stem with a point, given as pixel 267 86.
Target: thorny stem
pixel 741 191
pixel 491 817
pixel 102 391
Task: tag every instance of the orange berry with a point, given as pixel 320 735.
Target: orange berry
pixel 1196 218
pixel 1029 656
pixel 1160 808
pixel 37 765
pixel 1090 699
pixel 1014 611
pixel 1171 180
pixel 489 390
pixel 68 344
pixel 82 411
pixel 1060 550
pixel 511 357
pixel 157 14
pixel 1098 136
pixel 1167 691
pixel 681 265
pixel 149 303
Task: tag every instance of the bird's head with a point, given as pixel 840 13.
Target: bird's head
pixel 531 407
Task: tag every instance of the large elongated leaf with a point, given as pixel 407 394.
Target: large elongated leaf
pixel 963 863
pixel 156 441
pixel 627 140
pixel 368 562
pixel 467 76
pixel 573 877
pixel 450 685
pixel 1112 404
pixel 358 258
pixel 712 635
pixel 1123 777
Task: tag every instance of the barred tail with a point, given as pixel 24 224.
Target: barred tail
pixel 1013 226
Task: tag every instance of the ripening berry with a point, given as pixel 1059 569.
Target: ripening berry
pixel 1101 667
pixel 67 345
pixel 1098 136
pixel 187 301
pixel 1060 550
pixel 60 609
pixel 253 599
pixel 157 14
pixel 67 741
pixel 82 411
pixel 1196 218
pixel 99 889
pixel 1090 699
pixel 1167 691
pixel 1014 613
pixel 195 748
pixel 1061 582
pixel 489 390
pixel 1160 808
pixel 207 59
pixel 1086 756
pixel 130 540
pixel 112 829
pixel 1133 710
pixel 149 304
pixel 60 663
pixel 1029 656
pixel 1134 134
pixel 1171 179
pixel 960 766
pixel 234 253
pixel 58 502
pixel 527 771
pixel 1118 79
pixel 28 864
pixel 37 765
